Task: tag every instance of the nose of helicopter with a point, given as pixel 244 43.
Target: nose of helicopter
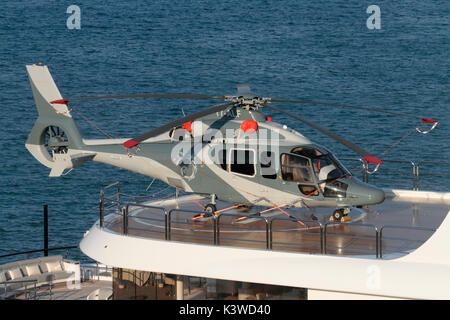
pixel 365 194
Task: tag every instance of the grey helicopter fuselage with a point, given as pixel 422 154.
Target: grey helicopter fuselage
pixel 215 155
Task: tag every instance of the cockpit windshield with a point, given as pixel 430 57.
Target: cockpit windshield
pixel 326 167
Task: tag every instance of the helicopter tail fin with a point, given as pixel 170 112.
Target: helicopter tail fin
pixel 54 132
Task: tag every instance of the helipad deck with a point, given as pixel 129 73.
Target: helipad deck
pixel 399 225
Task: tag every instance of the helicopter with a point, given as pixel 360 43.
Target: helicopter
pixel 230 151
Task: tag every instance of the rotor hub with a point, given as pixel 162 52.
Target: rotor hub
pixel 251 103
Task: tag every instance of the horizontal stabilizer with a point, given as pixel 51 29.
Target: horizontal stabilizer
pixel 64 161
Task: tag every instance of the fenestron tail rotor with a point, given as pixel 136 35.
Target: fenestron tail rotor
pixel 55 140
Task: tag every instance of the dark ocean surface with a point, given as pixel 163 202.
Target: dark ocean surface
pixel 316 50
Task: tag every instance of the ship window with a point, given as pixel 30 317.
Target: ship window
pixel 295 168
pixel 268 168
pixel 243 162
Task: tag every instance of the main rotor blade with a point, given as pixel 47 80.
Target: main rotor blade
pixel 126 96
pixel 367 156
pixel 424 119
pixel 133 142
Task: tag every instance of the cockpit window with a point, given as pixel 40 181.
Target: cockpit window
pixel 307 152
pixel 328 171
pixel 296 168
pixel 325 165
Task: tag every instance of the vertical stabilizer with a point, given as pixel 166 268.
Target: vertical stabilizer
pixel 54 133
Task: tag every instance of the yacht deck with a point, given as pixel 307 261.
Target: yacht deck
pixel 397 226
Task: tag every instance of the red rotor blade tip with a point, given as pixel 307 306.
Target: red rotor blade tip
pixel 130 144
pixel 373 159
pixel 62 101
pixel 428 120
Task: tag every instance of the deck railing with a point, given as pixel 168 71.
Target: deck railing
pixel 399 168
pixel 212 231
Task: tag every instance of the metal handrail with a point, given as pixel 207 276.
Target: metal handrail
pixel 103 198
pixel 34 251
pixel 34 281
pixel 269 222
pixel 224 214
pixel 169 222
pixel 125 212
pixel 297 220
pixel 415 168
pixel 323 233
pixel 366 173
pixel 364 164
pixel 380 238
pixel 377 249
pixel 428 162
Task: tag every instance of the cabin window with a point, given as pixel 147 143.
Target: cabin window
pixel 243 162
pixel 296 168
pixel 268 168
pixel 223 158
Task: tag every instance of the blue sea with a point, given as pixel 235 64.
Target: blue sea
pixel 315 50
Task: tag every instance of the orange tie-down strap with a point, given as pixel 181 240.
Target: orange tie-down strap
pixel 201 215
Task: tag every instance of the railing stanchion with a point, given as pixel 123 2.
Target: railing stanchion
pixel 381 243
pixel 45 230
pixel 377 248
pixel 102 208
pixel 321 238
pixel 125 219
pixel 218 230
pixel 169 218
pixel 215 230
pixel 417 177
pixel 166 224
pixel 271 234
pixel 118 195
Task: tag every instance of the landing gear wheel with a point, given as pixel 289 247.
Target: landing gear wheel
pixel 337 215
pixel 209 210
